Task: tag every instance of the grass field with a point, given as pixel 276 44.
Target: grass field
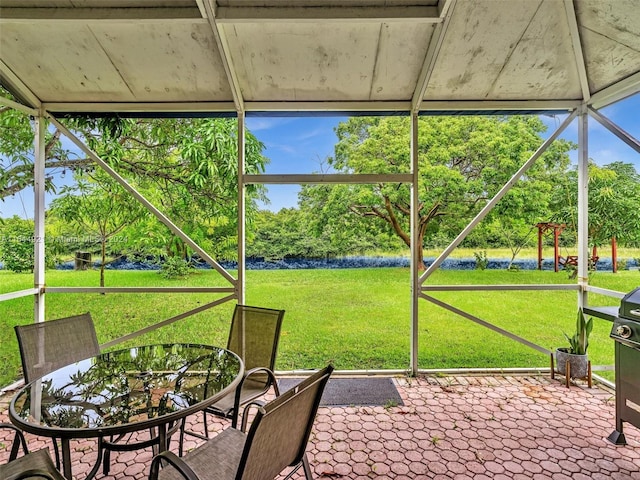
pixel 355 318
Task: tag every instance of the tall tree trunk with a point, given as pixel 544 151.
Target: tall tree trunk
pixel 420 247
pixel 103 252
pixel 614 254
pixel 421 267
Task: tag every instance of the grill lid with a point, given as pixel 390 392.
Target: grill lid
pixel 630 305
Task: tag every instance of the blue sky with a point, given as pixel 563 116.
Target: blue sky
pixel 302 145
pixel 299 145
pixel 294 145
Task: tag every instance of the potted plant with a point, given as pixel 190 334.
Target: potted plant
pixel 576 354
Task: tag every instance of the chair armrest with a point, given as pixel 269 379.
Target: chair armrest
pixel 238 396
pixel 173 460
pixel 18 441
pixel 245 413
pixel 253 371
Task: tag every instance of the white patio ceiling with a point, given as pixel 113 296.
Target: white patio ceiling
pixel 314 55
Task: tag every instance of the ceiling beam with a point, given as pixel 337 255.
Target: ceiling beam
pixel 618 91
pixel 17 87
pixel 225 55
pixel 443 7
pixel 260 14
pixel 403 107
pixel 499 105
pixel 353 106
pixel 435 44
pixel 576 44
pixel 141 107
pixel 49 15
pixel 201 8
pixel 222 107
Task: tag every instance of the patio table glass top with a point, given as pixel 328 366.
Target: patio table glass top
pixel 126 390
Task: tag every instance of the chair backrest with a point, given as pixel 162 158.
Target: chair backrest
pixel 280 431
pixel 254 335
pixel 47 346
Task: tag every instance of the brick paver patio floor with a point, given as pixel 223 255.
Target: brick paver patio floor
pixel 462 427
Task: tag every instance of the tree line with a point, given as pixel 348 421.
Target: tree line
pixel 188 169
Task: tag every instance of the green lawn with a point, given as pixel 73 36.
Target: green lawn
pixel 356 318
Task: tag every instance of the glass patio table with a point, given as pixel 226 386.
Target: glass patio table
pixel 133 389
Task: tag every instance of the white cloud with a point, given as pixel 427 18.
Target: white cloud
pixel 312 134
pixel 283 147
pixel 256 124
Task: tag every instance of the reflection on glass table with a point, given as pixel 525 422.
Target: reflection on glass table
pixel 147 387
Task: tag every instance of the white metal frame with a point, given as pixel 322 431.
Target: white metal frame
pixel 237 286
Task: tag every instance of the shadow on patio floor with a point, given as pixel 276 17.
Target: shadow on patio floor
pixel 462 427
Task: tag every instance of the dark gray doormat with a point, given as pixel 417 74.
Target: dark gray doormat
pixel 354 391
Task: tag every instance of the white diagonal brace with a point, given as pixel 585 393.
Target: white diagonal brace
pixel 19 106
pixel 486 324
pixel 437 39
pixel 577 49
pixel 166 322
pixel 489 206
pixel 138 196
pixel 615 129
pixel 225 55
pixel 19 294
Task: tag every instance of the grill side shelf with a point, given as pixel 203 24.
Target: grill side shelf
pixel 606 313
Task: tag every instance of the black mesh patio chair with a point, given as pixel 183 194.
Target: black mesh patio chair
pixel 277 439
pixel 37 464
pixel 48 346
pixel 254 336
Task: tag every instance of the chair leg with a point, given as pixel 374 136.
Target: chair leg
pixel 106 461
pixel 206 427
pixel 56 451
pixel 304 463
pixel 96 466
pixel 181 439
pixel 155 449
pixel 306 467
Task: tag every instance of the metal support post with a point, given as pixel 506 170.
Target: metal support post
pixel 38 241
pixel 240 284
pixel 415 214
pixel 583 205
pixel 38 218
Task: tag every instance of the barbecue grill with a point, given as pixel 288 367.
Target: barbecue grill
pixel 626 333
